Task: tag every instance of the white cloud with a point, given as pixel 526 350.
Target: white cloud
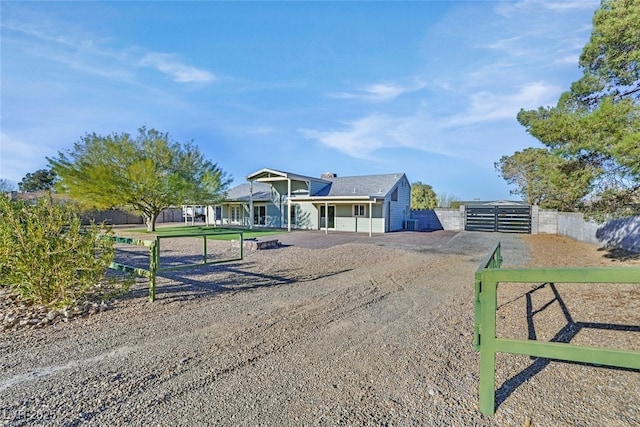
pixel 379 91
pixel 363 137
pixel 422 131
pixel 259 130
pixel 82 52
pixel 24 157
pixel 486 106
pixel 571 5
pixel 503 44
pixel 181 73
pixel 508 9
pixel 568 59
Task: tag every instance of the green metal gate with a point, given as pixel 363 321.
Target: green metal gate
pixel 504 219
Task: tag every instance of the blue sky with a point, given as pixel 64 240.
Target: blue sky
pixel 428 88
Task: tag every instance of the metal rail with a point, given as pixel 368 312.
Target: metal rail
pixel 489 275
pixel 154 256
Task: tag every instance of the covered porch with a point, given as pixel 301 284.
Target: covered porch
pixel 286 187
pixel 360 215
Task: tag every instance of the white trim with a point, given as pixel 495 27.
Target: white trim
pixel 233 209
pixel 251 205
pixel 371 218
pixel 338 199
pixel 289 205
pixel 364 210
pixel 326 207
pixel 276 175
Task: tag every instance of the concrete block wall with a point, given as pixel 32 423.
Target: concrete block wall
pixel 590 232
pixel 571 225
pixel 439 219
pixel 575 226
pixel 112 217
pixel 118 217
pixel 546 221
pixel 427 220
pixel 451 219
pixel 621 233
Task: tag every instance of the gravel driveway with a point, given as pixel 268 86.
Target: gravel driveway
pixel 335 329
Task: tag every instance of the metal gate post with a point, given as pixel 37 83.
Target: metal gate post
pixel 204 249
pixel 488 307
pixel 154 263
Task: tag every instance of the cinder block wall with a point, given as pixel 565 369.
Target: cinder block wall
pixel 624 233
pixel 438 219
pixel 621 233
pixel 547 221
pixel 571 225
pixel 427 220
pixel 451 219
pixel 117 217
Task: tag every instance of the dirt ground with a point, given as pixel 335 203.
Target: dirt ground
pixel 338 329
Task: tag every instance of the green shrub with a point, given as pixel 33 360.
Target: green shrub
pixel 47 256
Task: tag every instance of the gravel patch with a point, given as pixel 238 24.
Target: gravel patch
pixel 328 329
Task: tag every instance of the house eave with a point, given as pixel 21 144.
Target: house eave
pixel 271 175
pixel 341 199
pixel 244 200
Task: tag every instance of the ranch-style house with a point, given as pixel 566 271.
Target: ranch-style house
pixel 277 199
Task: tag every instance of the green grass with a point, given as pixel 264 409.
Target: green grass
pixel 197 230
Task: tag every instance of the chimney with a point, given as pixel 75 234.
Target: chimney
pixel 328 175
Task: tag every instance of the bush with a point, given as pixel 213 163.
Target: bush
pixel 47 256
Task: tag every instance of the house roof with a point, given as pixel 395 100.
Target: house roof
pixel 360 186
pixel 240 193
pixel 273 174
pixel 363 187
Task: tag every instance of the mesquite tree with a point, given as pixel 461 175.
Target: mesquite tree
pixel 145 175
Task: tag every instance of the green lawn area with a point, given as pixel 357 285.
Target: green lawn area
pixel 197 230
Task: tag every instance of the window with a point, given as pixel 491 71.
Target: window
pixel 259 215
pixel 235 214
pixel 359 210
pixel 394 195
pixel 293 215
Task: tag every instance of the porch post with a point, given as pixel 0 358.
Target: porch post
pixel 289 204
pixel 326 217
pixel 370 217
pixel 251 205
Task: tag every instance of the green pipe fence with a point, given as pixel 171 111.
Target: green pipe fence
pixel 493 260
pixel 154 255
pixel 487 278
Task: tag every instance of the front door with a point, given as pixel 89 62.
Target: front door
pixel 327 217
